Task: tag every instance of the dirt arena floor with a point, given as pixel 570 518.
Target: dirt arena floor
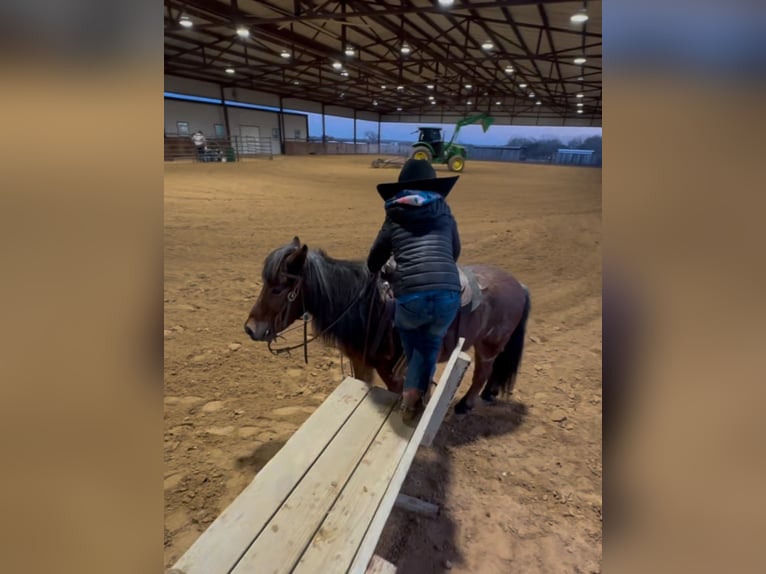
pixel 519 483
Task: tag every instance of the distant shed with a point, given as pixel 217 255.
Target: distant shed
pixel 575 156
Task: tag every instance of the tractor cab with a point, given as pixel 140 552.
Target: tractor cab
pixel 433 137
pixel 430 145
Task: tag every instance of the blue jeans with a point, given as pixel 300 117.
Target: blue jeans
pixel 422 320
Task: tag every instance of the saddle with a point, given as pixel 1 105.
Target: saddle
pixel 470 289
pixel 471 296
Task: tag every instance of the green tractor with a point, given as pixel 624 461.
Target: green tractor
pixel 431 147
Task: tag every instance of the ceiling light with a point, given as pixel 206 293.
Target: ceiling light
pixel 580 104
pixel 509 69
pixel 446 3
pixel 285 54
pixel 580 78
pixel 296 82
pixel 579 17
pixel 430 97
pixel 337 65
pixel 383 86
pixel 580 95
pixel 375 102
pixel 400 88
pixel 185 21
pixel 487 45
pixel 579 111
pixel 522 86
pixel 433 102
pixel 430 86
pixel 497 103
pixel 580 60
pixel 538 103
pixel 469 102
pixel 349 51
pixel 398 109
pixel 406 48
pixel 243 32
pixel 344 73
pixel 468 86
pixel 229 70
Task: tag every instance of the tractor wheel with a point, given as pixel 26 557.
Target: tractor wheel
pixel 422 153
pixel 456 163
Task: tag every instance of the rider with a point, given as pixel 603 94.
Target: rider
pixel 421 233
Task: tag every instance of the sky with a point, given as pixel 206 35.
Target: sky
pixel 496 135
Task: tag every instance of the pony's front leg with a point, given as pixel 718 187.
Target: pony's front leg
pixel 392 377
pixel 361 370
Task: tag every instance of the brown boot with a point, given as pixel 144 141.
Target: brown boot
pixel 412 405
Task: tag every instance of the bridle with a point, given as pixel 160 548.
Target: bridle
pixel 292 296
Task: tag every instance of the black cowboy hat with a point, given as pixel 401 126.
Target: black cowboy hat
pixel 417 174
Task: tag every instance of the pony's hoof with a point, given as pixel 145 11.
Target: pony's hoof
pixel 462 408
pixel 489 399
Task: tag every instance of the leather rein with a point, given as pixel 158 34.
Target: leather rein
pixel 292 296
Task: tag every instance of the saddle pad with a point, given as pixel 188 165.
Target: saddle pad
pixel 471 291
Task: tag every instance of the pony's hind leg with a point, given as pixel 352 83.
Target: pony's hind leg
pixel 481 371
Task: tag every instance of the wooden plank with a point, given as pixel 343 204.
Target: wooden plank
pixel 284 539
pixel 452 383
pixel 219 548
pixel 412 504
pixel 336 542
pixel 367 547
pixel 380 566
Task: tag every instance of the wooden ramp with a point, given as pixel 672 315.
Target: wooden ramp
pixel 321 503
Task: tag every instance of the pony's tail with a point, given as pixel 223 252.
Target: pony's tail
pixel 506 364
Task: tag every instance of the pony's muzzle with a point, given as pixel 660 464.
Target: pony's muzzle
pixel 258 330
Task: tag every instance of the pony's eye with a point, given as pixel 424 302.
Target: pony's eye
pixel 278 290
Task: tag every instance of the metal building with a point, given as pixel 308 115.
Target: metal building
pixel 576 157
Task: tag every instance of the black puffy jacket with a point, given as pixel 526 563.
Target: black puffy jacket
pixel 425 243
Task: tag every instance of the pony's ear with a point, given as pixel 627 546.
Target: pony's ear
pixel 296 241
pixel 296 259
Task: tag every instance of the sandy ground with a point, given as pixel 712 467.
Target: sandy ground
pixel 519 483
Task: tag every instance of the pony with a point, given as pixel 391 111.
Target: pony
pixel 349 309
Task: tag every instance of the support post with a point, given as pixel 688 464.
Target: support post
pixel 379 117
pixel 354 126
pixel 225 113
pixel 324 133
pixel 281 127
pixel 416 505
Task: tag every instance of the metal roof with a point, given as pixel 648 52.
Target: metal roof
pixel 293 44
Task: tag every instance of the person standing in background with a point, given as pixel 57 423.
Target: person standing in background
pixel 200 142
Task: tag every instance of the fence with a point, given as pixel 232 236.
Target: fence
pixel 234 148
pixel 247 146
pixel 303 147
pixel 495 153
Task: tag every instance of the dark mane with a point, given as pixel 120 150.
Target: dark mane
pixel 332 287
